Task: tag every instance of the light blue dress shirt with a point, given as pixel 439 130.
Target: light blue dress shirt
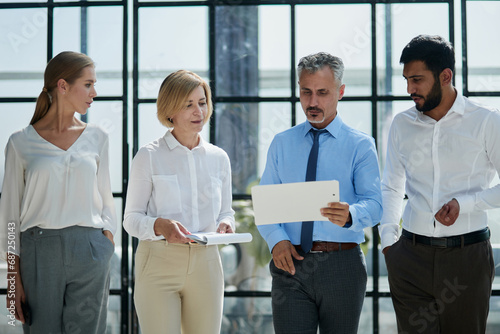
pixel 346 155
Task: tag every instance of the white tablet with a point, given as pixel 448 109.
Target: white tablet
pixel 293 202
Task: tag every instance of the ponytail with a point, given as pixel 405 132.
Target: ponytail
pixel 42 106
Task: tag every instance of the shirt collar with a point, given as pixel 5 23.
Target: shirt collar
pixel 172 142
pixel 333 128
pixel 458 107
pixel 459 104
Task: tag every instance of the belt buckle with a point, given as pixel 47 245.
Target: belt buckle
pixel 315 252
pixel 439 242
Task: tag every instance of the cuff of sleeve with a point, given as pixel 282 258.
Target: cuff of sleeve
pixel 275 237
pixel 227 221
pixel 352 213
pixel 388 235
pixel 466 203
pixel 150 228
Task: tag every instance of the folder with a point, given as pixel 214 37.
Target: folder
pixel 293 202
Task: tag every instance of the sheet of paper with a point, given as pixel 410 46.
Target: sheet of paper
pixel 293 202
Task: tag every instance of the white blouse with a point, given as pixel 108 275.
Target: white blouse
pixel 51 188
pixel 170 181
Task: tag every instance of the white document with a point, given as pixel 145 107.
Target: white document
pixel 213 238
pixel 293 202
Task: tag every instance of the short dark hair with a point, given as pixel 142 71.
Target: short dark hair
pixel 436 53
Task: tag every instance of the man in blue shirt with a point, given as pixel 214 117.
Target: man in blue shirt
pixel 326 285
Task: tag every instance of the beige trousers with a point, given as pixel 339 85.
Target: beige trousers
pixel 179 288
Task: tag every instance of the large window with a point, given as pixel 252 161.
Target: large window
pixel 248 51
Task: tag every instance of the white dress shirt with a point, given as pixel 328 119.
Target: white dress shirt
pixel 455 157
pixel 51 188
pixel 168 180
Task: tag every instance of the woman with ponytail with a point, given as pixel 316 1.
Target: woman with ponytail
pixel 57 215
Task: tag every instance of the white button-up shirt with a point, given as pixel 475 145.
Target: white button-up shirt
pixel 168 180
pixel 436 161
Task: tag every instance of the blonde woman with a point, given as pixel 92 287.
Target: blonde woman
pixel 57 212
pixel 179 184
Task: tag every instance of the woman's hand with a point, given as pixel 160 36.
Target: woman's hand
pixel 224 228
pixel 108 235
pixel 173 231
pixel 15 292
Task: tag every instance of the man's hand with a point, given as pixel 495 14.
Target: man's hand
pixel 448 214
pixel 224 228
pixel 173 231
pixel 337 213
pixel 282 253
pixel 385 249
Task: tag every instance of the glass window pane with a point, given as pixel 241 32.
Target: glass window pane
pixel 115 264
pixel 23 56
pixel 108 115
pixel 236 45
pixel 366 318
pixel 67 30
pixel 387 317
pixel 178 39
pixel 105 47
pixel 482 53
pixel 400 33
pixel 237 50
pixel 244 131
pixel 274 51
pixel 104 41
pixel 349 38
pixel 14 117
pixel 386 112
pixel 113 319
pixel 247 315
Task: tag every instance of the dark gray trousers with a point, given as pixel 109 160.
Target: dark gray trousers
pixel 65 273
pixel 327 290
pixel 440 290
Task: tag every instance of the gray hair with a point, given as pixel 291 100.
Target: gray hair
pixel 317 61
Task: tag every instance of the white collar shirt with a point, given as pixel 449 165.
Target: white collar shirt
pixel 435 161
pixel 168 180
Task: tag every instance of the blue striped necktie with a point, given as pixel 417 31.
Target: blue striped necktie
pixel 307 226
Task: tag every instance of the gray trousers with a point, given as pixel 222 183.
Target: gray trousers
pixel 327 290
pixel 440 290
pixel 65 273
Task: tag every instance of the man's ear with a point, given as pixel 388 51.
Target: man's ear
pixel 341 92
pixel 446 77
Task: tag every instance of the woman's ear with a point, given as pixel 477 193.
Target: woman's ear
pixel 62 86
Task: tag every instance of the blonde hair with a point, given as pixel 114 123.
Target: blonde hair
pixel 175 90
pixel 67 65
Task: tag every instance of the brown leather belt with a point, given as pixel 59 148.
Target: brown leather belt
pixel 326 246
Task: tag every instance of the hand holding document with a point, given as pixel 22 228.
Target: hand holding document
pixel 293 202
pixel 213 238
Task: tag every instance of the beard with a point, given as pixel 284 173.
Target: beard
pixel 315 120
pixel 433 99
